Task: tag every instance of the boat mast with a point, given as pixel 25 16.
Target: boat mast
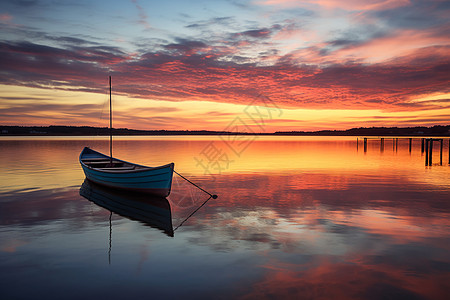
pixel 110 122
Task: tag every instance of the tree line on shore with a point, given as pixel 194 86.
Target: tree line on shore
pixel 438 130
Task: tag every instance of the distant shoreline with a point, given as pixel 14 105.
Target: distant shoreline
pixel 437 130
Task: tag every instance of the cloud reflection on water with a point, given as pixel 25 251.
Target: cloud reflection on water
pixel 302 231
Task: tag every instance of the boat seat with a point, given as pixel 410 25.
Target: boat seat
pixel 94 158
pixel 101 162
pixel 118 168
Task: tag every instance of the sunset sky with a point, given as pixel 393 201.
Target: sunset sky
pixel 269 65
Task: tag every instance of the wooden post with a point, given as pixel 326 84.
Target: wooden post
pixel 422 145
pixel 382 145
pixel 440 155
pixel 365 144
pixel 393 144
pixel 357 144
pixel 396 144
pixel 426 152
pixel 430 151
pixel 410 143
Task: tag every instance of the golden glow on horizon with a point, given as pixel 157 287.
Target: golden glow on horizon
pixel 36 107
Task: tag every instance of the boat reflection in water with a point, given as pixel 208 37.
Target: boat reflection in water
pixel 151 210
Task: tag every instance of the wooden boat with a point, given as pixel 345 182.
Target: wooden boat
pixel 150 210
pixel 120 174
pixel 116 173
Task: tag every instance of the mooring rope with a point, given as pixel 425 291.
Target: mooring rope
pixel 192 213
pixel 210 196
pixel 213 196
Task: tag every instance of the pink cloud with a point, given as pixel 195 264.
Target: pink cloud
pixel 142 15
pixel 350 5
pixel 5 18
pixel 398 43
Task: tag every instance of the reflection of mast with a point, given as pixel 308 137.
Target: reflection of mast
pixel 194 212
pixel 110 237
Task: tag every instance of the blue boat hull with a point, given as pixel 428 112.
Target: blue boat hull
pixel 125 175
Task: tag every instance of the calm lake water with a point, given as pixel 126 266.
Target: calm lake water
pixel 296 217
